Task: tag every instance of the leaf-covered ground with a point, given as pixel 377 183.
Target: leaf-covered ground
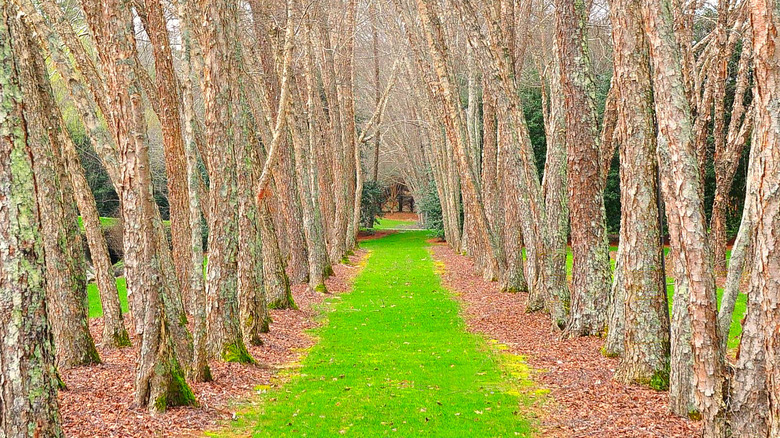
pixel 584 400
pixel 394 358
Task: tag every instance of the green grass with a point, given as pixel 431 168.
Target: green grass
pixel 95 304
pixel 391 224
pixel 394 358
pixel 105 221
pixel 736 319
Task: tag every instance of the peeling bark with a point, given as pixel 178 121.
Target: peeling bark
pixel 28 378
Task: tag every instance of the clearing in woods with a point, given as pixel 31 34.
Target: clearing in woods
pixel 394 358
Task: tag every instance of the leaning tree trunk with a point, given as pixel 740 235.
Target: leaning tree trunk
pixel 173 143
pixel 590 248
pixel 681 184
pixel 114 332
pixel 284 175
pixel 28 379
pixel 641 278
pixel 66 282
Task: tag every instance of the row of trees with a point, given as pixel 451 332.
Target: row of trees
pixel 692 86
pixel 262 138
pixel 256 108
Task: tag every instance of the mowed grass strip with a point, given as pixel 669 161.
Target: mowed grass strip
pixel 393 359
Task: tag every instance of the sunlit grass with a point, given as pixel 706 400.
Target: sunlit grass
pixel 394 358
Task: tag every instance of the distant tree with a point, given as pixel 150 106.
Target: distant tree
pixel 371 204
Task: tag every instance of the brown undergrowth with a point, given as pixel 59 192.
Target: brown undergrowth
pixel 99 399
pixel 583 400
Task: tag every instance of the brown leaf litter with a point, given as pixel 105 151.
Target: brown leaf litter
pixel 584 400
pixel 99 399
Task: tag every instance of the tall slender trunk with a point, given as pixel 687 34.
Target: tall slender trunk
pixel 642 280
pixel 225 338
pixel 191 64
pixel 253 311
pixel 556 201
pixel 457 133
pixel 727 157
pixel 169 113
pixel 590 249
pixel 28 378
pixel 114 332
pixel 749 414
pixel 306 172
pixel 337 135
pixel 377 86
pixel 284 175
pixel 353 170
pixel 165 344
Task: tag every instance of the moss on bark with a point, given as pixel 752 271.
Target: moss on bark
pixel 237 352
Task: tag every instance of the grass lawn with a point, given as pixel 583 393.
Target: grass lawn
pixel 95 304
pixel 394 358
pixel 105 221
pixel 391 224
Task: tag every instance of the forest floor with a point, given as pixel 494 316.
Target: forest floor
pixel 394 358
pixel 583 401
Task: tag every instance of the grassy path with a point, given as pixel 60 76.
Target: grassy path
pixel 393 359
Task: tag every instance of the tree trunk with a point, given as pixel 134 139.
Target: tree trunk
pixel 277 285
pixel 556 201
pixel 590 248
pixel 66 282
pixel 455 125
pixel 765 271
pixel 377 86
pixel 749 414
pixel 159 381
pixel 225 338
pixel 284 174
pixel 727 158
pixel 353 171
pixel 641 276
pixel 28 378
pixel 305 170
pixel 173 143
pixel 681 185
pixel 253 312
pixel 192 63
